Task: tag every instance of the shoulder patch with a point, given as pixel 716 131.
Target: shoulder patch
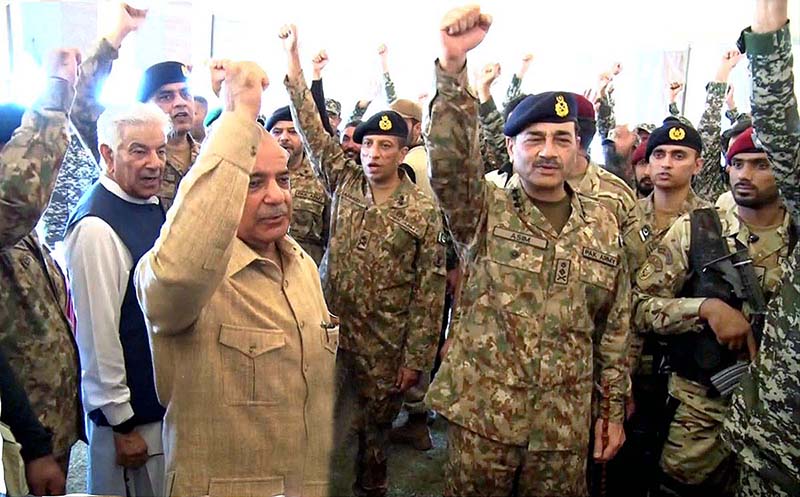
pixel 597 256
pixel 518 237
pixel 442 238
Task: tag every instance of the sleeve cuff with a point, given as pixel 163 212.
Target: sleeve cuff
pixel 717 88
pixel 487 107
pixel 235 139
pixel 117 414
pixel 450 83
pixel 766 43
pixel 106 51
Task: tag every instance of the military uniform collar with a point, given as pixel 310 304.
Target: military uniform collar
pixel 531 215
pixel 691 203
pixel 738 229
pixel 401 195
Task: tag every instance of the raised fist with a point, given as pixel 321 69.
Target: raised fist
pixel 288 33
pixel 242 86
pixel 461 30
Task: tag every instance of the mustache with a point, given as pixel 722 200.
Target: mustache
pixel 744 183
pixel 273 211
pixel 547 163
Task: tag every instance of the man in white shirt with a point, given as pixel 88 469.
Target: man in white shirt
pixel 114 224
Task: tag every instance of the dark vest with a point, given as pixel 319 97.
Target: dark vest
pixel 698 356
pixel 138 226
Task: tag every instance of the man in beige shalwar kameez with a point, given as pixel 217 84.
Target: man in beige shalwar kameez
pixel 243 345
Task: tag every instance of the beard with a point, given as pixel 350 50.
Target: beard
pixel 644 187
pixel 760 199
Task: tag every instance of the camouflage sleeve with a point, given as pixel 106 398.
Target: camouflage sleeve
pixel 656 309
pixel 774 108
pixel 614 344
pixel 732 115
pixel 673 109
pixel 494 152
pixel 513 91
pixel 425 313
pixel 388 87
pixel 87 109
pixel 708 182
pixel 456 172
pixel 324 152
pixel 358 112
pixel 606 121
pixel 30 161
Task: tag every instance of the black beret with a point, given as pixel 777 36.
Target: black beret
pixel 548 107
pixel 280 114
pixel 674 132
pixel 387 122
pixel 10 120
pixel 159 75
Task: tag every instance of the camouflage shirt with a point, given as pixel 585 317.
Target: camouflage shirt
pixel 709 183
pixel 30 161
pixel 764 423
pixel 651 233
pixel 36 336
pixel 95 69
pixel 174 172
pixel 493 141
pixel 384 271
pixel 536 303
pixel 310 211
pixel 35 333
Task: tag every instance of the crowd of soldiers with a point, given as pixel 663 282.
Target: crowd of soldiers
pixel 239 298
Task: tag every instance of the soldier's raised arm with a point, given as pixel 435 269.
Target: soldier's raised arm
pixel 493 148
pixel 606 119
pixel 452 133
pixel 30 161
pixel 326 155
pixel 708 183
pixel 768 46
pixel 95 69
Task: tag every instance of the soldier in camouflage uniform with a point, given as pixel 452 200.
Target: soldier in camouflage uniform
pixel 311 206
pixel 166 85
pixel 709 182
pixel 383 273
pixel 763 426
pixel 671 298
pixel 547 283
pixel 35 331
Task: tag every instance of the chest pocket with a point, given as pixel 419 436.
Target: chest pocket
pixel 598 275
pixel 307 215
pixel 514 265
pixel 401 244
pixel 252 365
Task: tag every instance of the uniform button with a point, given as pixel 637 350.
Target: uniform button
pixel 305 368
pixel 302 324
pixel 252 349
pixel 515 253
pixel 253 151
pixel 285 283
pixel 26 262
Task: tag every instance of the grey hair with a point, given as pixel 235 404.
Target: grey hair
pixel 112 123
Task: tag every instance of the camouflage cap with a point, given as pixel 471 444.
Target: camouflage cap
pixel 649 128
pixel 407 108
pixel 333 107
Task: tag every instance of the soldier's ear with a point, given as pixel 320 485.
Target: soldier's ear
pixel 698 165
pixel 510 148
pixel 108 157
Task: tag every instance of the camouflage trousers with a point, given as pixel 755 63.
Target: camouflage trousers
pixel 694 452
pixel 751 484
pixel 478 466
pixel 366 405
